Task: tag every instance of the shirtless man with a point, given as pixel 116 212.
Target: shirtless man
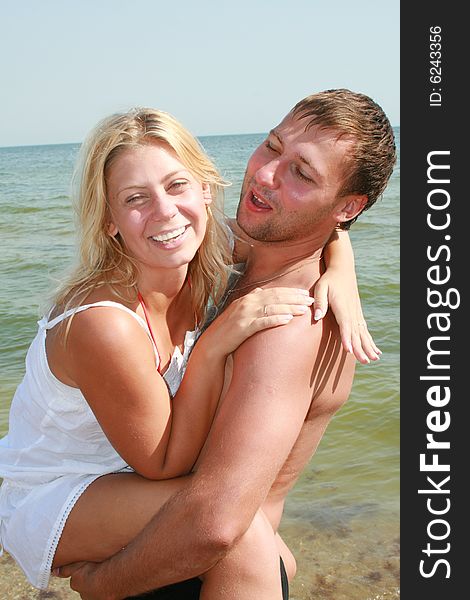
pixel 324 164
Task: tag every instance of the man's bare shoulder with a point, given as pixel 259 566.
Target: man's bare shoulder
pixel 303 341
pixel 305 353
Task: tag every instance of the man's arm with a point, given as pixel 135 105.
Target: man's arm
pixel 274 378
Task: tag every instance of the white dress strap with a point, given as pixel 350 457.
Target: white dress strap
pixel 46 324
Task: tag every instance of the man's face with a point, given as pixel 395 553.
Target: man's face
pixel 291 184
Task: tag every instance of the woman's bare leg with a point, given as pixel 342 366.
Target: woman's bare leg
pixel 251 570
pixel 115 508
pixel 109 514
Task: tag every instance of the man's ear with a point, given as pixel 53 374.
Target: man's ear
pixel 349 207
pixel 206 193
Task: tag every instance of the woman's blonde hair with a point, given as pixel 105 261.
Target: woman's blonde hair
pixel 102 259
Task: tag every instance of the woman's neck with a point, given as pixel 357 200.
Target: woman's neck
pixel 163 287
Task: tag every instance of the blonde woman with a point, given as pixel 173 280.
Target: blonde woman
pixel 103 427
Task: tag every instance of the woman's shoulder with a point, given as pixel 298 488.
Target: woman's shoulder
pixel 107 293
pixel 83 318
pixel 109 329
pixel 103 295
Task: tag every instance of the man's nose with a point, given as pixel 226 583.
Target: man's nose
pixel 267 175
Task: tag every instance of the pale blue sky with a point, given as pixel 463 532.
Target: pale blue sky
pixel 218 66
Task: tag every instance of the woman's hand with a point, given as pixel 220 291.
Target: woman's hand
pixel 340 291
pixel 338 287
pixel 81 581
pixel 258 310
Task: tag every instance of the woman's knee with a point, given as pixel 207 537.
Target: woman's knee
pixel 254 559
pixel 257 548
pixel 260 531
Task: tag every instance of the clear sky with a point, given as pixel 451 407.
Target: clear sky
pixel 219 66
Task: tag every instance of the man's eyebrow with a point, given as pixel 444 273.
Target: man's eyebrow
pixel 300 157
pixel 276 135
pixel 317 175
pixel 314 171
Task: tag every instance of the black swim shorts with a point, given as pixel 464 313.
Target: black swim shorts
pixel 190 589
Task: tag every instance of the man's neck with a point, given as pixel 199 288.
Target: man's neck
pixel 268 259
pixel 265 267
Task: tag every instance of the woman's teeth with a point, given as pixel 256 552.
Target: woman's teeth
pixel 170 235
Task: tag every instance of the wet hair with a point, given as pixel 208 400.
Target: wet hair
pixel 103 259
pixel 373 155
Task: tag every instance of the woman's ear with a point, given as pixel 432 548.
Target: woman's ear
pixel 112 229
pixel 350 206
pixel 206 193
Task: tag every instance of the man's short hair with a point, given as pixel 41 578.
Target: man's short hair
pixel 371 161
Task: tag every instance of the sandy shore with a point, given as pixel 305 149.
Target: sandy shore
pixel 330 567
pixel 14 585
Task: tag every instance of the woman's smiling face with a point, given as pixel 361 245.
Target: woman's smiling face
pixel 157 206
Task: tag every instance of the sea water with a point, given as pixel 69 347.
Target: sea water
pixel 342 518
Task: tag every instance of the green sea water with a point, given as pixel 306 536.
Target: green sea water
pixel 342 518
